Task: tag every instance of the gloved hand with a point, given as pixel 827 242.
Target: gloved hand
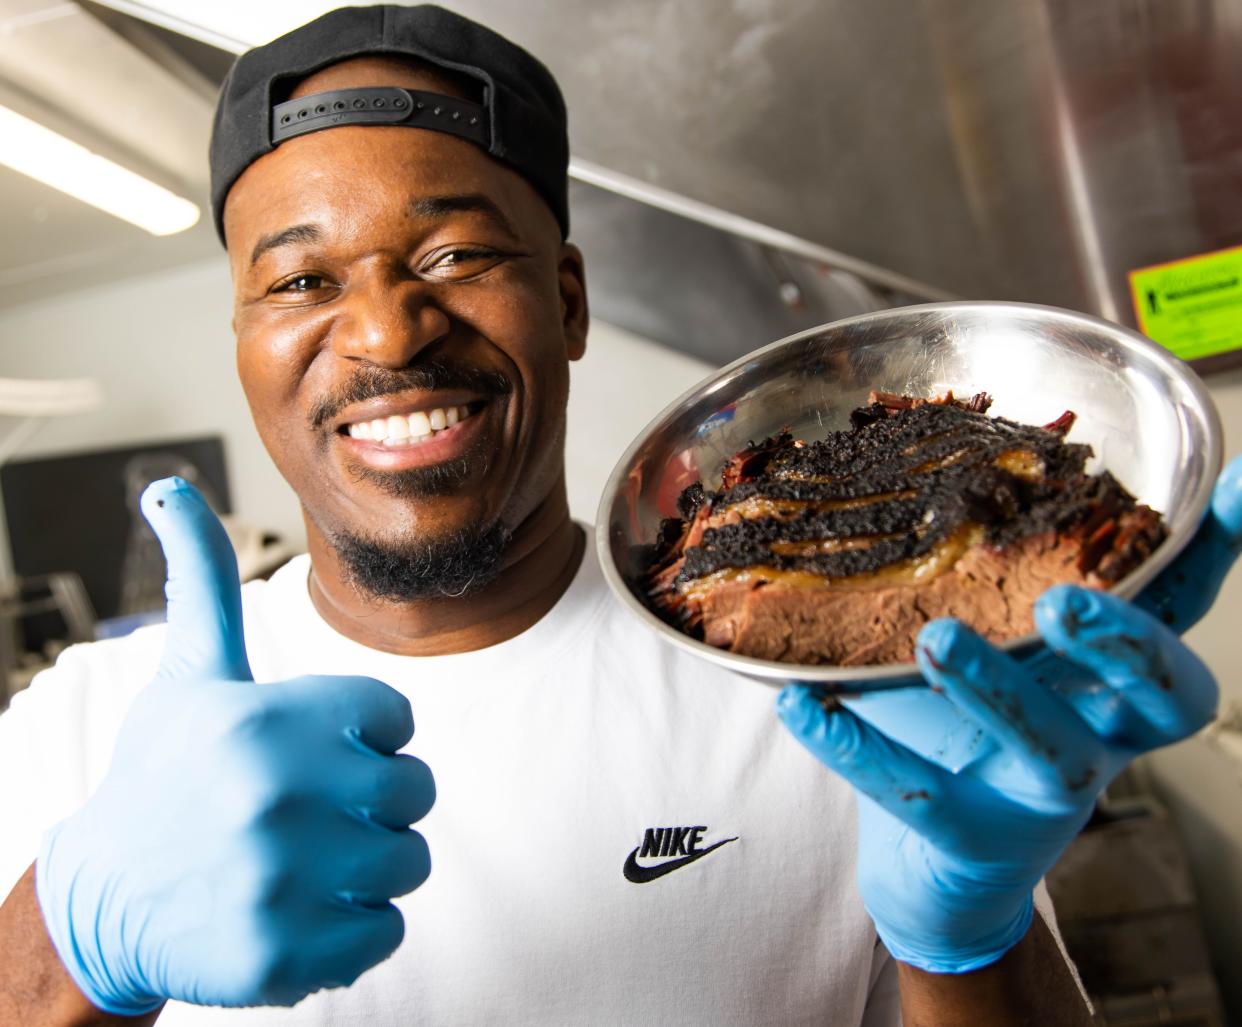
pixel 247 839
pixel 970 790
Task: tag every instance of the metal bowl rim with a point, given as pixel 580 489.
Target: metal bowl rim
pixel 882 674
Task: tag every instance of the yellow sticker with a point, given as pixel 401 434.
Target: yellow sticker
pixel 1191 306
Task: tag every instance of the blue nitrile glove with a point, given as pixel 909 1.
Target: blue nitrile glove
pixel 247 839
pixel 972 789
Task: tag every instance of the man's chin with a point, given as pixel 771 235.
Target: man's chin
pixel 458 564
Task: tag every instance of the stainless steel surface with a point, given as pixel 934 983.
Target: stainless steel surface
pixel 752 231
pixel 1033 150
pixel 1147 416
pixel 699 289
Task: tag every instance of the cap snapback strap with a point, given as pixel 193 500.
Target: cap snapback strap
pixel 381 105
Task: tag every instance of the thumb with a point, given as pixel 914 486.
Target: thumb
pixel 205 637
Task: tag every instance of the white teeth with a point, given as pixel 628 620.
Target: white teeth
pixel 419 424
pixel 416 427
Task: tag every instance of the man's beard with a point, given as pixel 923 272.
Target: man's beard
pixel 460 564
pixel 412 568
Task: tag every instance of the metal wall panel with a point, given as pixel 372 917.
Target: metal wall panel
pixel 1031 149
pixel 1024 149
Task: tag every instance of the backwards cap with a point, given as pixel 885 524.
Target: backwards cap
pixel 521 120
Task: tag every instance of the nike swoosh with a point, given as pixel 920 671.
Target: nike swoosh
pixel 641 875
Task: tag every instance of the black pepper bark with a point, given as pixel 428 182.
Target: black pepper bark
pixel 925 468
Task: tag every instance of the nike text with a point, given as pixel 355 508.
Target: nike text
pixel 671 841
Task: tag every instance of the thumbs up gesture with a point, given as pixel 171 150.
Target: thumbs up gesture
pixel 246 842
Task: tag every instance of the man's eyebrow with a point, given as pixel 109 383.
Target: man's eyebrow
pixel 295 233
pixel 442 206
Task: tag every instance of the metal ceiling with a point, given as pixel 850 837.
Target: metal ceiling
pixel 65 67
pixel 1034 150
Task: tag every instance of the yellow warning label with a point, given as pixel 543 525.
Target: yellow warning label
pixel 1191 306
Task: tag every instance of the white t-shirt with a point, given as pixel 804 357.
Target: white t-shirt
pixel 556 754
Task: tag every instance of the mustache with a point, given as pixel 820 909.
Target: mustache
pixel 371 381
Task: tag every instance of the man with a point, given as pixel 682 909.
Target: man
pixel 620 833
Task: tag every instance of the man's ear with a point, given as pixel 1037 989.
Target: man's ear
pixel 575 318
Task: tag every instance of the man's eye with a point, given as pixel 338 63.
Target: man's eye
pixel 462 262
pixel 299 283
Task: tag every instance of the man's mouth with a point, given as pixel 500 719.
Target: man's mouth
pixel 412 428
pixel 405 434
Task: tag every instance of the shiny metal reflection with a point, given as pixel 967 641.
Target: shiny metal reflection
pixel 1148 417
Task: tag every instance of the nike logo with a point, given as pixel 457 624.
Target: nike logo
pixel 636 874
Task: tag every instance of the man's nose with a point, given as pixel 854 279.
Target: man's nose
pixel 388 321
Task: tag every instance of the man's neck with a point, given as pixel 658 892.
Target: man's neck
pixel 540 562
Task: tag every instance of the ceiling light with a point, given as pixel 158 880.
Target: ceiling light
pixel 49 157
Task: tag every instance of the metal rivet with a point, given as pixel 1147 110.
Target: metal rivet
pixel 399 103
pixel 378 102
pixel 474 121
pixel 359 104
pixel 420 105
pixel 456 115
pixel 437 110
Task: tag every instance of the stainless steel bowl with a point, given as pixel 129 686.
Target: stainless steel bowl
pixel 1147 416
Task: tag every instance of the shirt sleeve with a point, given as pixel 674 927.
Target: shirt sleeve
pixel 1043 905
pixel 56 741
pixel 883 997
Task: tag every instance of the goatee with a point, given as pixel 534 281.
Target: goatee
pixel 458 565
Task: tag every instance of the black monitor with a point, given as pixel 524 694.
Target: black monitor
pixel 71 512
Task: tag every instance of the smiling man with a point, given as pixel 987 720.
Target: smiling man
pixel 218 812
pixel 423 326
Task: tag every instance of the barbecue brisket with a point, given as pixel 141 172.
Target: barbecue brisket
pixel 839 551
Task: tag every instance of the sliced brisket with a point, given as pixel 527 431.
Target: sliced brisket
pixel 838 551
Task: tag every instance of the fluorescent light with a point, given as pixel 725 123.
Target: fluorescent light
pixel 20 397
pixel 49 157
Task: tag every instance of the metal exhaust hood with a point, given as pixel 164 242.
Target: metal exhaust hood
pixel 1034 150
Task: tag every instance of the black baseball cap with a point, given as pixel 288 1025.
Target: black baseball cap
pixel 520 121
